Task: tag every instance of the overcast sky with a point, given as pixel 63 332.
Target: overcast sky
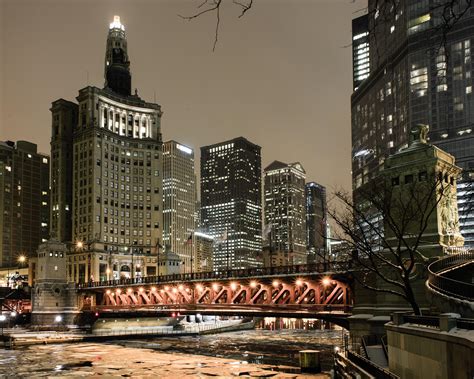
pixel 281 76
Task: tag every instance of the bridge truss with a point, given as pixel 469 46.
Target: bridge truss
pixel 286 291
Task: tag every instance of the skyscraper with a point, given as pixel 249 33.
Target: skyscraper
pixel 316 221
pixel 179 201
pixel 360 50
pixel 285 209
pixel 24 200
pixel 112 188
pixel 420 73
pixel 231 202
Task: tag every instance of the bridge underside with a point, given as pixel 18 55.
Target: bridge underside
pixel 335 315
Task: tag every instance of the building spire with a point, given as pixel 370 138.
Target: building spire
pixel 117 66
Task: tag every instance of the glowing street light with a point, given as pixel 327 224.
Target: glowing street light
pixel 253 284
pixel 299 282
pixel 275 283
pixel 21 259
pixel 2 320
pixel 79 244
pixel 233 286
pixel 58 318
pixel 326 281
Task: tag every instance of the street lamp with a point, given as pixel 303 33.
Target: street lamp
pixel 58 319
pixel 21 259
pixel 2 320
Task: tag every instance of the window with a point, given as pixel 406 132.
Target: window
pixel 422 176
pixel 408 179
pixel 395 181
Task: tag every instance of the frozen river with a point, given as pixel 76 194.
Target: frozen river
pixel 256 353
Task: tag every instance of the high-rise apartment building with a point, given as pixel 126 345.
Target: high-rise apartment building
pixel 420 73
pixel 107 173
pixel 316 222
pixel 179 201
pixel 285 209
pixel 231 208
pixel 24 201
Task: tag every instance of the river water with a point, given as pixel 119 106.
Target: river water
pixel 256 353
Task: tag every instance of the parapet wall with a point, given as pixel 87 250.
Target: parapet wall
pixel 417 351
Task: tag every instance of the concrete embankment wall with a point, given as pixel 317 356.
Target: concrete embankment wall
pixel 422 352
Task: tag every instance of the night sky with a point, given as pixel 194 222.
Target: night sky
pixel 281 76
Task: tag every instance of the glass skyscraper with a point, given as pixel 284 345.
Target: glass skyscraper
pixel 231 205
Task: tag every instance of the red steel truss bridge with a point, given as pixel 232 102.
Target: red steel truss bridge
pixel 321 290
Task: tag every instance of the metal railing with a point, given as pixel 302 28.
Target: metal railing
pixel 448 286
pixel 162 331
pixel 315 268
pixel 422 320
pixel 434 321
pixel 370 367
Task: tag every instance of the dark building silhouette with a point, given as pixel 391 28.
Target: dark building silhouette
pixel 24 200
pixel 231 207
pixel 316 221
pixel 418 75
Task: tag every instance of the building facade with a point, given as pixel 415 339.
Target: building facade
pixel 360 50
pixel 204 252
pixel 316 222
pixel 179 201
pixel 231 208
pixel 24 201
pixel 419 74
pixel 114 189
pixel 285 209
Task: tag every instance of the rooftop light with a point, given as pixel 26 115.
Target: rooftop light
pixel 116 24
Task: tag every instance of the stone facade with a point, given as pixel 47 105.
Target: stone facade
pixel 54 300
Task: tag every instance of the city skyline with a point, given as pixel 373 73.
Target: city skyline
pixel 269 86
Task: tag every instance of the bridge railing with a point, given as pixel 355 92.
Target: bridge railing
pixel 164 331
pixel 448 286
pixel 333 266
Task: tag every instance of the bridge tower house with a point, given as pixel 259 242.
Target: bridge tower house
pixel 414 174
pixel 54 300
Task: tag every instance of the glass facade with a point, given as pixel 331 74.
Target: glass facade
pixel 285 209
pixel 231 209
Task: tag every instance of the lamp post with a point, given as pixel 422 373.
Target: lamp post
pixel 3 318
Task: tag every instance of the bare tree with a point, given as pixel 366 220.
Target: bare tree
pixel 446 14
pixel 388 225
pixel 215 6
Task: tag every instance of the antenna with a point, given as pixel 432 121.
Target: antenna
pixel 87 77
pixel 154 96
